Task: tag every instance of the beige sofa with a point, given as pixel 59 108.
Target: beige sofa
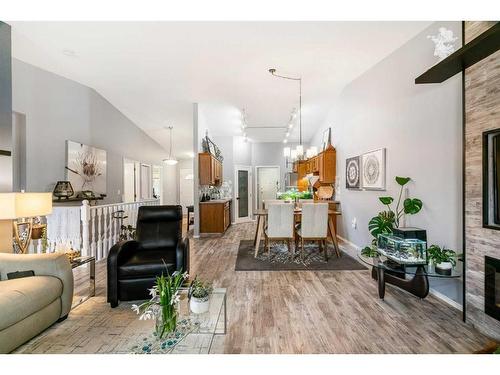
pixel 31 304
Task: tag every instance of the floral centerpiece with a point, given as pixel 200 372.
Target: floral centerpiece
pixel 163 303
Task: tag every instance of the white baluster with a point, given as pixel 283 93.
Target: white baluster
pixel 105 231
pixel 99 232
pixel 85 219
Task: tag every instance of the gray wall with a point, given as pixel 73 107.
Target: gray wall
pixel 5 130
pixel 419 125
pixel 5 108
pixel 58 109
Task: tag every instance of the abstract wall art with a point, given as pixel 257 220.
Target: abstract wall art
pixel 353 173
pixel 86 167
pixel 373 170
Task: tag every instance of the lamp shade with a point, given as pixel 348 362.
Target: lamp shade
pixel 286 152
pixel 19 205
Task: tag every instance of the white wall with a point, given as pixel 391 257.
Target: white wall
pixel 58 109
pixel 420 126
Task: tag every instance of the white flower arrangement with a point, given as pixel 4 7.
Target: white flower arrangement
pixel 164 297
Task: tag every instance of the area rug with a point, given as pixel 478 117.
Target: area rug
pixel 280 259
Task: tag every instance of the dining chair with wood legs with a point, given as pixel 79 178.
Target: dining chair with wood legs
pixel 313 226
pixel 279 225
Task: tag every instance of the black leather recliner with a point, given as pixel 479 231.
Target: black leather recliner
pixel 134 265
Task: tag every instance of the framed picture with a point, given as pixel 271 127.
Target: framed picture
pixel 353 173
pixel 86 168
pixel 326 138
pixel 373 170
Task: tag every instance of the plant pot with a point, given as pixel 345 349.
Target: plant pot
pixel 444 268
pixel 199 305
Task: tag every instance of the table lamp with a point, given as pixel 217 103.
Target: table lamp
pixel 23 207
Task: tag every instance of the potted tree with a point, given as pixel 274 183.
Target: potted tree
pixel 442 258
pixel 199 296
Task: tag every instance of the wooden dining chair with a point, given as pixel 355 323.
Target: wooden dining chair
pixel 279 225
pixel 313 226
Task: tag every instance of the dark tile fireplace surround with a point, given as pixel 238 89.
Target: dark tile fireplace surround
pixel 492 287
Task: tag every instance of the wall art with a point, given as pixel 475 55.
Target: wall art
pixel 373 170
pixel 353 173
pixel 86 167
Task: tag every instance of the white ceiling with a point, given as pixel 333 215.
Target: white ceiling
pixel 154 71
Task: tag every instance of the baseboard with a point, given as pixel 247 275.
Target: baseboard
pixel 445 299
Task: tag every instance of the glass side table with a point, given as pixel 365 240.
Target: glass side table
pixel 413 279
pixel 83 262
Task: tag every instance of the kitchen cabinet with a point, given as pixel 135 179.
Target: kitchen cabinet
pixel 215 216
pixel 327 165
pixel 210 169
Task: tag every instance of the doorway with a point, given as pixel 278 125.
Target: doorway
pixel 268 183
pixel 146 179
pixel 186 183
pixel 243 193
pixel 130 180
pixel 158 182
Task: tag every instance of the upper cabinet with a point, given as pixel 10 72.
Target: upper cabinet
pixel 327 165
pixel 322 165
pixel 210 169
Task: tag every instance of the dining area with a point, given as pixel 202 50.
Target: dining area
pixel 295 224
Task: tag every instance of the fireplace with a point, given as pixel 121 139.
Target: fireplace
pixel 492 287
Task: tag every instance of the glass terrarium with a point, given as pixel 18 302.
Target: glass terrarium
pixel 407 251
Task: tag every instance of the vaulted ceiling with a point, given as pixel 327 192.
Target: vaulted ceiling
pixel 154 71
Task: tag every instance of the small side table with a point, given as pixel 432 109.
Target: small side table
pixel 79 262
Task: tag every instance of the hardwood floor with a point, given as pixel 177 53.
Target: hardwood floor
pixel 281 312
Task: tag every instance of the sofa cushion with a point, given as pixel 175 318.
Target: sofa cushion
pixel 147 263
pixel 19 298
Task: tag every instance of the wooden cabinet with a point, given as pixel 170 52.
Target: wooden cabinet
pixel 315 164
pixel 327 165
pixel 323 165
pixel 215 216
pixel 301 169
pixel 210 169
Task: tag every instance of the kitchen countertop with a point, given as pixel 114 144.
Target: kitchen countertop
pixel 214 201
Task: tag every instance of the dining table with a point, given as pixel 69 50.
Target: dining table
pixel 262 216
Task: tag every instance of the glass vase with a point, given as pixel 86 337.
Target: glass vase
pixel 166 320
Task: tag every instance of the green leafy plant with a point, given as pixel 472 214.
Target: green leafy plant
pixel 199 289
pixel 295 194
pixel 441 255
pixel 369 251
pixel 386 221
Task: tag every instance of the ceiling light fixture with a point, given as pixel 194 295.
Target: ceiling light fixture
pixel 171 160
pixel 300 147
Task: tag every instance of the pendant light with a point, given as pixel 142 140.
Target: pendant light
pixel 171 160
pixel 300 148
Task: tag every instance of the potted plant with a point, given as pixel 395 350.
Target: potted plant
pixel 199 296
pixel 442 258
pixel 386 221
